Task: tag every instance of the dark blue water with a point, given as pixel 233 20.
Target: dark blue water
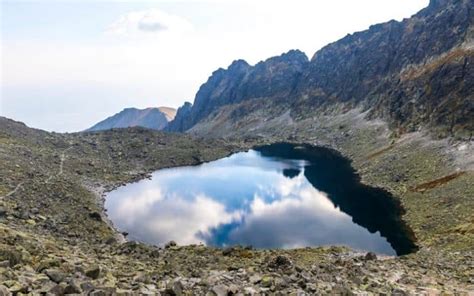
pixel 277 196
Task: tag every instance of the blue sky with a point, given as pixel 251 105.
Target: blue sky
pixel 68 64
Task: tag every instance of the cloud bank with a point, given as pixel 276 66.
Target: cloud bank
pixel 149 21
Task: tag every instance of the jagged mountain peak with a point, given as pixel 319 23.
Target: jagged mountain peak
pixel 292 55
pixel 238 65
pixel 272 78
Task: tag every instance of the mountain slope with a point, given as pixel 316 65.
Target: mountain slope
pixel 413 74
pixel 153 118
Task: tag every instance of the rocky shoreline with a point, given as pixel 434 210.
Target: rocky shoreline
pixel 54 238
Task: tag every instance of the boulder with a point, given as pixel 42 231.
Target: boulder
pixel 4 291
pixel 219 290
pixel 72 288
pixel 170 244
pixel 95 216
pixel 370 256
pixel 55 275
pixel 280 262
pixel 94 272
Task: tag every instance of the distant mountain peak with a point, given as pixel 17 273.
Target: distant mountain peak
pixel 152 118
pixel 169 112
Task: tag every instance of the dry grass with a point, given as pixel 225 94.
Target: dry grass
pixel 380 152
pixel 436 183
pixel 415 72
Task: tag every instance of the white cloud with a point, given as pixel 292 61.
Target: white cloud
pixel 302 216
pixel 158 220
pixel 141 204
pixel 149 21
pixel 186 221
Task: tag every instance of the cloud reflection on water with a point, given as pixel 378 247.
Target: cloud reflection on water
pixel 243 199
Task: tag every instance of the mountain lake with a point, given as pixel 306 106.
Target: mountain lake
pixel 275 196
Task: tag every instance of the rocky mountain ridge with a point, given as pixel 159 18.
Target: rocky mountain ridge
pixel 273 78
pixel 153 118
pixel 417 73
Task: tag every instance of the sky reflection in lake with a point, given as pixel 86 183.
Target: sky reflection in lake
pixel 247 199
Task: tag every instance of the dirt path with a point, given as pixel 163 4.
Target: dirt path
pixel 13 191
pixel 62 158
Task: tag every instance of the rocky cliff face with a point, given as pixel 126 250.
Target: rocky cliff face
pixel 182 118
pixel 152 118
pixel 414 74
pixel 273 79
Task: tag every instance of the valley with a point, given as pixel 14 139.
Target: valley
pixel 60 227
pixel 394 103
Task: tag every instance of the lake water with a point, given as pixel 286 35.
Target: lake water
pixel 276 196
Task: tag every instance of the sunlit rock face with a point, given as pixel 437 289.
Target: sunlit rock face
pixel 152 118
pixel 259 198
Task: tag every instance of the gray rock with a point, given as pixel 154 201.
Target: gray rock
pixel 233 289
pixel 58 289
pixel 250 291
pixel 256 278
pixel 228 251
pixel 3 212
pixel 398 292
pixel 55 275
pixel 174 288
pixel 94 273
pixel 370 256
pixel 280 261
pixel 4 291
pixel 170 244
pixel 72 288
pixel 111 240
pixel 45 286
pixel 87 287
pixel 178 287
pixel 342 290
pixel 95 216
pixel 145 291
pixel 13 256
pixel 281 283
pixel 98 293
pixel 5 263
pixel 219 290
